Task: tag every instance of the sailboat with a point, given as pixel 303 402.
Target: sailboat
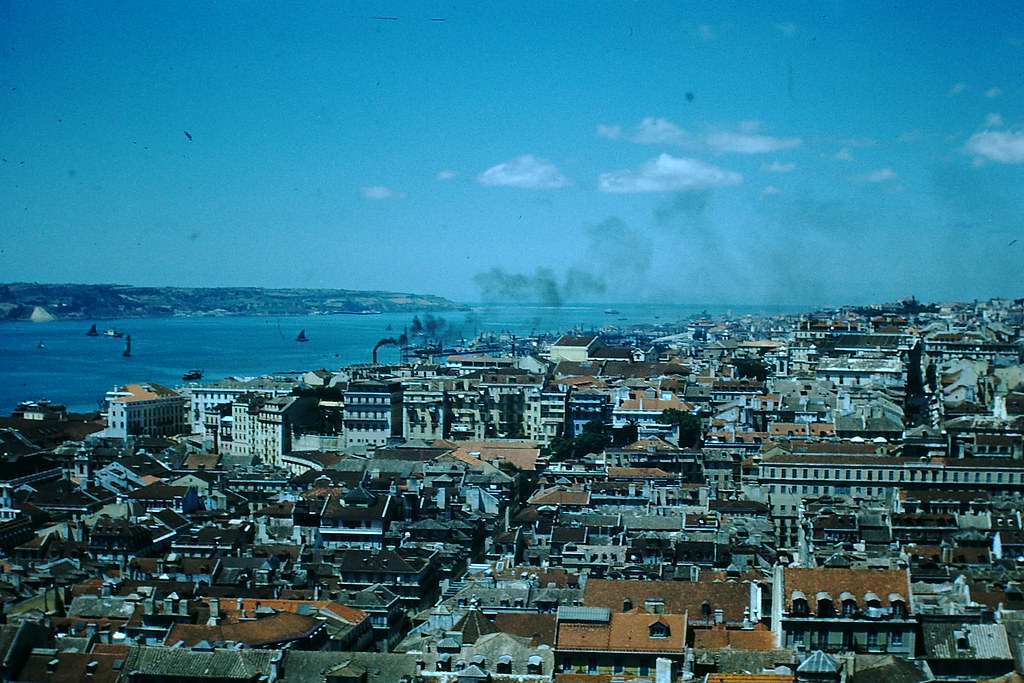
pixel 93 332
pixel 127 346
pixel 302 337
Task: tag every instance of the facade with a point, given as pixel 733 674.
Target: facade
pixel 372 413
pixel 145 410
pixel 844 610
pixel 204 399
pixel 595 640
pixel 262 426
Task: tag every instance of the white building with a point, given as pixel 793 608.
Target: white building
pixel 145 410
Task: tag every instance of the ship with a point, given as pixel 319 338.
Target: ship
pixel 302 337
pixel 92 331
pixel 194 373
pixel 112 332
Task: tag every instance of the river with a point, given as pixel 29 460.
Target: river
pixel 59 362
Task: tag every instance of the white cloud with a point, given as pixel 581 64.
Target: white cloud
pixel 707 32
pixel 667 173
pixel 994 121
pixel 769 191
pixel 526 171
pixel 1006 147
pixel 446 175
pixel 788 28
pixel 844 154
pixel 745 143
pixel 778 167
pixel 655 131
pixel 610 132
pixel 878 176
pixel 378 192
pixel 992 93
pixel 958 88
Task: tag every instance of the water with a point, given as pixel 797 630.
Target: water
pixel 57 361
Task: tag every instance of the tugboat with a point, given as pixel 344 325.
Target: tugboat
pixel 302 337
pixel 92 331
pixel 194 373
pixel 112 332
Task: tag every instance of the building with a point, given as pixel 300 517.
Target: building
pixel 145 410
pixel 844 610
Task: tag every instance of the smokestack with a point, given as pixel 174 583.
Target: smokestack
pixel 383 342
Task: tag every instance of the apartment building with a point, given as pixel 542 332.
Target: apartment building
pixel 145 410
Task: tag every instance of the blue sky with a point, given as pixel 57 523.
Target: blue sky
pixel 818 152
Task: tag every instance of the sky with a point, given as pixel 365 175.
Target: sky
pixel 819 153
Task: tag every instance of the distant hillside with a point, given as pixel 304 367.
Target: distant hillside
pixel 29 301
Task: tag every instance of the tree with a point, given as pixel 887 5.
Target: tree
pixel 751 367
pixel 689 425
pixel 592 440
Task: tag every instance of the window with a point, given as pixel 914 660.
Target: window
pixel 658 629
pixel 896 638
pixel 872 640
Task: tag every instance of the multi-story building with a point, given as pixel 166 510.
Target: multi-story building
pixel 425 411
pixel 372 413
pixel 844 610
pixel 145 410
pixel 204 399
pixel 262 426
pixel 596 640
pixel 546 408
pixel 867 472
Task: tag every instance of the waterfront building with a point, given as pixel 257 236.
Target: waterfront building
pixel 145 410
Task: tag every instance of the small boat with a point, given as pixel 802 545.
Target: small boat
pixel 40 345
pixel 611 311
pixel 302 337
pixel 92 331
pixel 127 346
pixel 194 373
pixel 112 332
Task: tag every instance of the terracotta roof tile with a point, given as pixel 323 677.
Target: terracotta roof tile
pixel 626 632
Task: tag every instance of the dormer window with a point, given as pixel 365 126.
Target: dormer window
pixel 627 604
pixel 825 608
pixel 898 606
pixel 799 601
pixel 658 629
pixel 849 604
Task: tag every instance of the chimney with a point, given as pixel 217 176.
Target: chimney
pixel 214 612
pixel 275 666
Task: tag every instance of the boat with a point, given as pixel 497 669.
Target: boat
pixel 40 345
pixel 92 331
pixel 112 332
pixel 194 373
pixel 611 311
pixel 302 337
pixel 127 346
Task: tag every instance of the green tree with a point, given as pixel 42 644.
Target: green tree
pixel 593 439
pixel 751 367
pixel 689 425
